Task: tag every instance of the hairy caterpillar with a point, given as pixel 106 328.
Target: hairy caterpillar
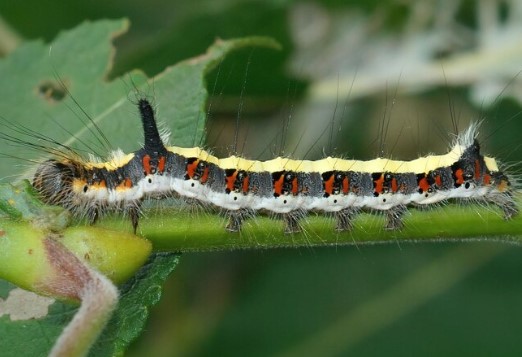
pixel 281 186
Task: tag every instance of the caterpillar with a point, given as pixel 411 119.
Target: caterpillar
pixel 281 186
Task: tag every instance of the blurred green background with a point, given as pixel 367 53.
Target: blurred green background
pixel 346 68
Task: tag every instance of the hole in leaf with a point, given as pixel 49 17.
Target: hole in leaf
pixel 52 91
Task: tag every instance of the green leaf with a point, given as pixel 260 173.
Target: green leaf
pixel 34 98
pixel 32 337
pixel 20 201
pixel 137 296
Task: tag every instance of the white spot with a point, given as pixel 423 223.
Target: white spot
pixel 24 305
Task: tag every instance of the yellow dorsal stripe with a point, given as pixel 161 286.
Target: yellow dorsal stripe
pixel 420 165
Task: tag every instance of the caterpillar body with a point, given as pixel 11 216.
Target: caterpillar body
pixel 282 186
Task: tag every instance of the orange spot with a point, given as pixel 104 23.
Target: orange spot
pixel 459 174
pixel 146 164
pixel 394 186
pixel 295 186
pixel 278 185
pixel 191 168
pixel 2 233
pixel 125 184
pixel 486 179
pixel 346 185
pixel 246 183
pixel 477 170
pixel 231 180
pixel 438 181
pixel 423 184
pixel 328 184
pixel 98 185
pixel 30 251
pixel 161 164
pixel 503 185
pixel 379 184
pixel 204 177
pixel 78 185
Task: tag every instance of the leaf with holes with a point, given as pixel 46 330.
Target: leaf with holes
pixel 60 91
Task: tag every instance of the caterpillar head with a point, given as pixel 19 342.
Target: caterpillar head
pixel 53 181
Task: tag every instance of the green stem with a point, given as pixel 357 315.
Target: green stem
pixel 180 230
pixel 98 296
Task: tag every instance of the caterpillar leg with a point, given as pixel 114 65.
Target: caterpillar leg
pixel 291 224
pixel 420 207
pixel 292 221
pixel 92 214
pixel 502 196
pixel 345 219
pixel 505 202
pixel 236 219
pixel 134 213
pixel 394 218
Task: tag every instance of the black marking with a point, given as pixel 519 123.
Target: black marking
pixel 287 184
pixel 200 170
pixel 237 185
pixel 188 162
pixel 153 143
